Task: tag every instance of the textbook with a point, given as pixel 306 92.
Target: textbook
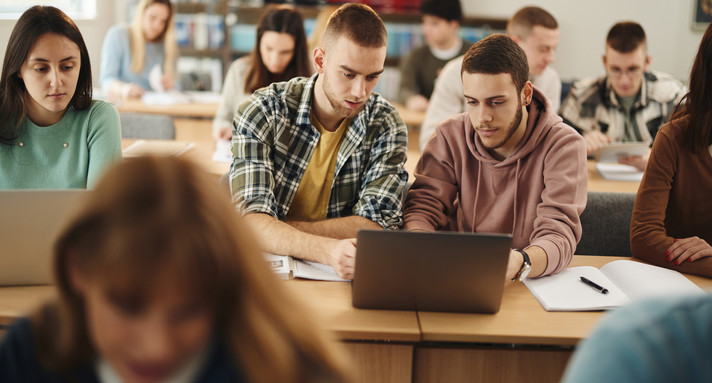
pixel 288 267
pixel 625 281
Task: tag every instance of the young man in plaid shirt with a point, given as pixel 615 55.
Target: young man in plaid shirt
pixel 316 159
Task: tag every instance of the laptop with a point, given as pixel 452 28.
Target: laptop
pixel 433 271
pixel 31 222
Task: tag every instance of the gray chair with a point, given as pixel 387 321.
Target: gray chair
pixel 147 126
pixel 606 224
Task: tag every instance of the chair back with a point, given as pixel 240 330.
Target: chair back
pixel 147 126
pixel 606 224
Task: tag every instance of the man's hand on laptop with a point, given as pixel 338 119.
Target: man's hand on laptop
pixel 342 257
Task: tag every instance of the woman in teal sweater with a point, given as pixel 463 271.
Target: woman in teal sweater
pixel 52 135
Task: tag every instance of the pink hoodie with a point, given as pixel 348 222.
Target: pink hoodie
pixel 544 181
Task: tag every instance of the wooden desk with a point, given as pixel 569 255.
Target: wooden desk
pixel 597 183
pixel 411 118
pixel 198 131
pixel 522 342
pixel 530 344
pixel 380 343
pixel 201 110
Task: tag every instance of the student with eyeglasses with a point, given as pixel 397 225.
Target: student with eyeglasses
pixel 629 103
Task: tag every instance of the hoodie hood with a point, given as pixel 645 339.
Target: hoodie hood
pixel 539 121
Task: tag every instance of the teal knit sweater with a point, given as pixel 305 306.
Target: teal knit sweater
pixel 70 154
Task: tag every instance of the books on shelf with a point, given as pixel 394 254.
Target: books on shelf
pixel 625 281
pixel 287 267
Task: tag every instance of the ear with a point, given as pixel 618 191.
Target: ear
pixel 319 58
pixel 604 60
pixel 648 59
pixel 516 39
pixel 527 93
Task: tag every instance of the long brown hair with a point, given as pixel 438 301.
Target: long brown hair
pixel 694 112
pixel 34 23
pixel 150 213
pixel 281 19
pixel 137 40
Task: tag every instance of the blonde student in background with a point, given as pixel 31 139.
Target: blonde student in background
pixel 159 280
pixel 280 54
pixel 52 135
pixel 131 52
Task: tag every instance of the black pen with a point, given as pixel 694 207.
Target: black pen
pixel 593 284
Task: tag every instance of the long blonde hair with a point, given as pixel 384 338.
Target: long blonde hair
pixel 150 213
pixel 137 41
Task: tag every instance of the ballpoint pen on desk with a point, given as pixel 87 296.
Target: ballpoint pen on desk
pixel 596 286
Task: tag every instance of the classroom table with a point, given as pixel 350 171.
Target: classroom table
pixel 522 342
pixel 196 110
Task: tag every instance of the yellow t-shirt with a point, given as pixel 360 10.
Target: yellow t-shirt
pixel 312 197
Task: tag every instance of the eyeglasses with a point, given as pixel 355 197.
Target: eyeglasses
pixel 630 72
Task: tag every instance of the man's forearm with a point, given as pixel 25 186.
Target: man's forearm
pixel 338 228
pixel 277 237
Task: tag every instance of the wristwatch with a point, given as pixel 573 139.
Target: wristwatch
pixel 526 267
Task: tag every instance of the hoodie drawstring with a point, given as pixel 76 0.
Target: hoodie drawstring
pixel 477 195
pixel 516 192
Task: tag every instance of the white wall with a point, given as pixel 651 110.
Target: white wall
pixel 584 25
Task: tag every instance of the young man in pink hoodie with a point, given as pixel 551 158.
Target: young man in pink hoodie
pixel 507 165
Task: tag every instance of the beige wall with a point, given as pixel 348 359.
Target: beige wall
pixel 584 25
pixel 93 31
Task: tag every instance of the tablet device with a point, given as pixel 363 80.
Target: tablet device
pixel 614 151
pixel 433 271
pixel 31 222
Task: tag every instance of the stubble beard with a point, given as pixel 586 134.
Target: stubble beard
pixel 338 107
pixel 511 129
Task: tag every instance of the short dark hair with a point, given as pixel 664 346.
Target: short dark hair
pixel 33 24
pixel 497 54
pixel 626 36
pixel 450 10
pixel 357 22
pixel 522 22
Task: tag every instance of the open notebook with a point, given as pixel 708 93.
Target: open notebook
pixel 626 281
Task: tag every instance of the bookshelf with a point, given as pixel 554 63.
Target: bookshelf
pixel 220 31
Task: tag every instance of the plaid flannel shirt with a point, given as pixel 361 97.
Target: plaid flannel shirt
pixel 592 105
pixel 273 140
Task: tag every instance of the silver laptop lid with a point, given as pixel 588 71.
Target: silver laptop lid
pixel 435 271
pixel 31 222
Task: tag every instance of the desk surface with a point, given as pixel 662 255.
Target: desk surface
pixel 201 110
pixel 200 133
pixel 520 320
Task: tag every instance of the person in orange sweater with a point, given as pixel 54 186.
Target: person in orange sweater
pixel 671 224
pixel 510 162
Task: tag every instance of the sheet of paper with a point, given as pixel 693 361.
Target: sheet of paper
pixel 565 291
pixel 640 280
pixel 222 151
pixel 155 77
pixel 619 172
pixel 280 265
pixel 315 270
